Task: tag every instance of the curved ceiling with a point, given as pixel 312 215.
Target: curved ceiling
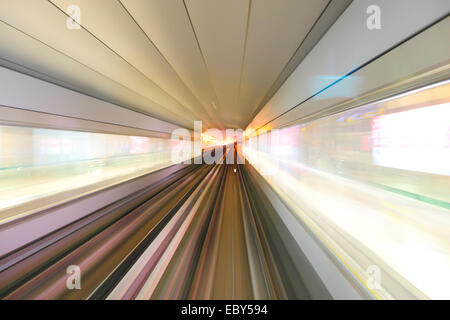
pixel 178 61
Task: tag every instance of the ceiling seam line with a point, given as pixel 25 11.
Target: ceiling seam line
pixel 323 112
pixel 244 55
pixel 66 85
pixel 117 54
pixel 83 119
pixel 357 69
pixel 259 106
pixel 164 57
pixel 86 66
pixel 202 55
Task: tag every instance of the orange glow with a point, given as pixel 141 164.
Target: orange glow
pixel 209 140
pixel 213 141
pixel 228 141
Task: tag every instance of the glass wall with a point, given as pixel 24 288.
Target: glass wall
pixel 42 166
pixel 373 183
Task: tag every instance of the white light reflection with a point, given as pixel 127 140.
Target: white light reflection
pixel 375 188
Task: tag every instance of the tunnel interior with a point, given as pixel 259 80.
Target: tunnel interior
pixel 224 150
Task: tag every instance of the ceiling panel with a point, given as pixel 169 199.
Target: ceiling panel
pixel 275 31
pixel 112 24
pixel 27 16
pixel 18 49
pixel 182 60
pixel 167 24
pixel 346 47
pixel 220 27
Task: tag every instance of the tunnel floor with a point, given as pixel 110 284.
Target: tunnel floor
pixel 196 234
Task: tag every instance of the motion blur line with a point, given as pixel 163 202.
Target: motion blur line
pixel 203 282
pixel 179 276
pixel 202 233
pixel 131 284
pixel 314 227
pixel 101 254
pixel 194 203
pixel 275 288
pixel 17 268
pixel 284 276
pixel 259 279
pixel 232 274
